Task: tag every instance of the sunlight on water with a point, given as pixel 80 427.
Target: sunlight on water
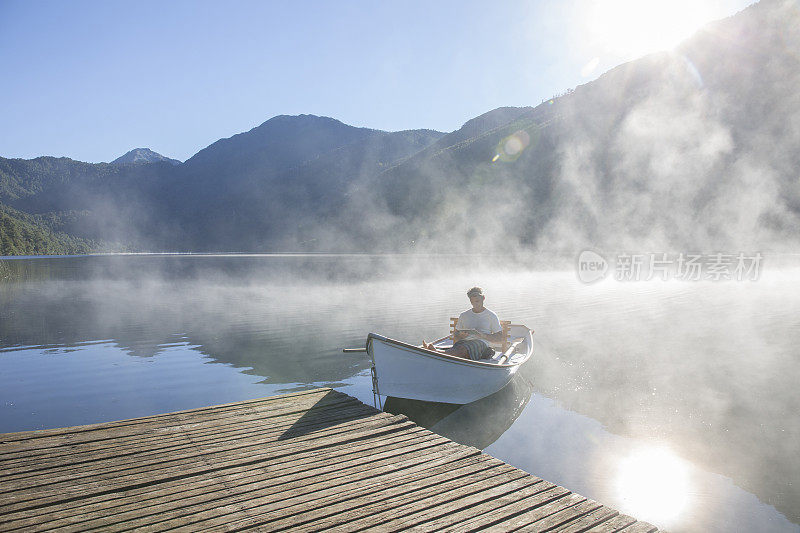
pixel 654 484
pixel 707 371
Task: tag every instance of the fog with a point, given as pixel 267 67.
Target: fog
pixel 689 150
pixel 708 368
pixel 693 150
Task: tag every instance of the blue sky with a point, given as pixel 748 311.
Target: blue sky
pixel 91 80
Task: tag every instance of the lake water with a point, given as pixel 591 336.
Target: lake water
pixel 672 401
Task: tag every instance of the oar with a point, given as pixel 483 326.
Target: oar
pixel 509 351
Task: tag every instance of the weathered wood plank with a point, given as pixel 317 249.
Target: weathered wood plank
pixel 261 491
pixel 172 423
pixel 422 493
pixel 562 518
pixel 531 504
pixel 310 466
pixel 446 506
pixel 639 527
pixel 283 437
pixel 270 468
pixel 617 523
pixel 80 458
pixel 298 505
pixel 590 520
pixel 198 462
pixel 111 440
pixel 309 461
pixel 263 508
pixel 537 513
pixel 283 429
pixel 166 417
pixel 522 493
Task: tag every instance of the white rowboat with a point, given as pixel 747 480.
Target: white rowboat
pixel 407 371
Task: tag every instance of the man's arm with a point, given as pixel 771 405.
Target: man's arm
pixel 489 337
pixel 460 334
pixel 493 337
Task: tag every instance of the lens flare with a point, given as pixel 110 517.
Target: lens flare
pixel 511 147
pixel 654 484
pixel 693 72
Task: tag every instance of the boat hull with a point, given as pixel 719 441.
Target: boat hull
pixel 407 371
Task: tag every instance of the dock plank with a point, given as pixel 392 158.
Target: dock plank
pixel 563 518
pixel 78 462
pixel 162 420
pixel 383 454
pixel 199 457
pixel 295 465
pixel 418 494
pixel 617 523
pixel 306 461
pixel 444 504
pixel 639 527
pixel 590 521
pixel 518 494
pixel 275 419
pixel 530 505
pixel 294 507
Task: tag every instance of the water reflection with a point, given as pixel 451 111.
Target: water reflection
pixel 708 370
pixel 476 424
pixel 577 452
pixel 244 326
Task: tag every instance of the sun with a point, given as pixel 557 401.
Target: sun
pixel 632 28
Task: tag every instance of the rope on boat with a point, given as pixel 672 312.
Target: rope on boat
pixel 376 394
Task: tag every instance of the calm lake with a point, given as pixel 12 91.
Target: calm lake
pixel 673 401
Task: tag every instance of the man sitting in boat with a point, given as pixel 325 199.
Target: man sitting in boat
pixel 476 328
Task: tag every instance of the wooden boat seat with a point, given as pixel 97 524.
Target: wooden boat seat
pixel 505 324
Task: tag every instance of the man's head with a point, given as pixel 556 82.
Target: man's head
pixel 475 295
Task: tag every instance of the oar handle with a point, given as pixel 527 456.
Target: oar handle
pixel 352 350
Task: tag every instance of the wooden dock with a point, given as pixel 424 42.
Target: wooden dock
pixel 307 461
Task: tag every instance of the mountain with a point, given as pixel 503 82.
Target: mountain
pixel 142 155
pixel 24 234
pixel 98 202
pixel 462 193
pixel 695 149
pixel 240 193
pixel 264 189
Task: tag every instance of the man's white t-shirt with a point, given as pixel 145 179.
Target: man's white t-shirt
pixel 485 322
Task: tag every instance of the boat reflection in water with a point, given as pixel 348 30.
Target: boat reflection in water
pixel 476 424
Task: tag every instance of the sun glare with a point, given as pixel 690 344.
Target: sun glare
pixel 653 483
pixel 633 28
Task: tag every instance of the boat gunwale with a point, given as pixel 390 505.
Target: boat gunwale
pixel 448 358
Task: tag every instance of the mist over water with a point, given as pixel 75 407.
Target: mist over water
pixel 697 374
